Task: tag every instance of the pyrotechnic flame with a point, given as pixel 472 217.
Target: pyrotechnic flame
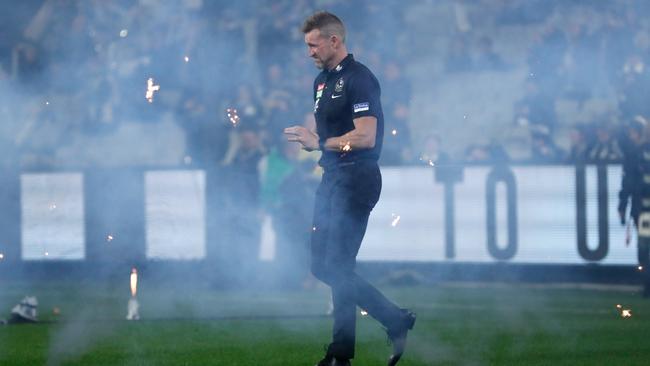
pixel 232 116
pixel 626 313
pixel 395 221
pixel 640 268
pixel 2 256
pixel 313 228
pixel 46 254
pixel 47 103
pixel 134 282
pixel 52 206
pixel 151 88
pixel 186 58
pixel 346 147
pixel 394 132
pixel 109 238
pixel 124 33
pixel 364 313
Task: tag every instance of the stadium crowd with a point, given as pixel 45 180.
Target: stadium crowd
pixel 70 70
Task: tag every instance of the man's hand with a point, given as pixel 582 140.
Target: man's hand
pixel 621 215
pixel 307 138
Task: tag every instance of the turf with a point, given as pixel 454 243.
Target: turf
pixel 457 325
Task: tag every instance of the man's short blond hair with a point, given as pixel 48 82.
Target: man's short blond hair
pixel 328 24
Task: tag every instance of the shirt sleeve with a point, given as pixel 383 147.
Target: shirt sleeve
pixel 364 94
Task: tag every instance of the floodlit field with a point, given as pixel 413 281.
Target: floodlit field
pixel 458 324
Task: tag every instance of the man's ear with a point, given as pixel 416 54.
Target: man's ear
pixel 335 41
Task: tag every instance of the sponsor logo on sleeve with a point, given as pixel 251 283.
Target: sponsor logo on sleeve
pixel 361 107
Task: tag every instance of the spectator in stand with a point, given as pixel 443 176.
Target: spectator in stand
pixel 396 97
pixel 634 86
pixel 545 60
pixel 28 63
pixel 487 59
pixel 605 148
pixel 492 153
pixel 581 64
pixel 581 141
pixel 458 58
pixel 543 148
pixel 536 108
pixel 205 140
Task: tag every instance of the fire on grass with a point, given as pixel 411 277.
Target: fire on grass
pixel 625 313
pixel 133 308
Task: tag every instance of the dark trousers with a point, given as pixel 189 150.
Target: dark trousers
pixel 344 199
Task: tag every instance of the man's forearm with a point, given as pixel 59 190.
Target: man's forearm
pixel 352 140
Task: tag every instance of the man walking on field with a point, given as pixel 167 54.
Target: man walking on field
pixel 349 132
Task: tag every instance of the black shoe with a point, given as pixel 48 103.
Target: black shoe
pixel 332 361
pixel 397 336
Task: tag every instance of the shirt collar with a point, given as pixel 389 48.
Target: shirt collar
pixel 343 64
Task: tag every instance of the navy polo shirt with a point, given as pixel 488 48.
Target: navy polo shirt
pixel 348 91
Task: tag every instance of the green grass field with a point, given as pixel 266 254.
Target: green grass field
pixel 486 324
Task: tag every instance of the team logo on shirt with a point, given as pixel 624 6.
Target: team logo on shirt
pixel 339 86
pixel 361 107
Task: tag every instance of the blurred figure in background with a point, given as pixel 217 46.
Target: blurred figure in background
pixel 487 59
pixel 206 137
pixel 635 189
pixel 242 210
pixel 458 58
pixel 396 98
pixel 288 189
pixel 536 108
pixel 580 139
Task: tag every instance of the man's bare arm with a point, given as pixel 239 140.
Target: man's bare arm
pixel 361 138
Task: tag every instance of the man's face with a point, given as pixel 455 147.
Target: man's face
pixel 321 49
